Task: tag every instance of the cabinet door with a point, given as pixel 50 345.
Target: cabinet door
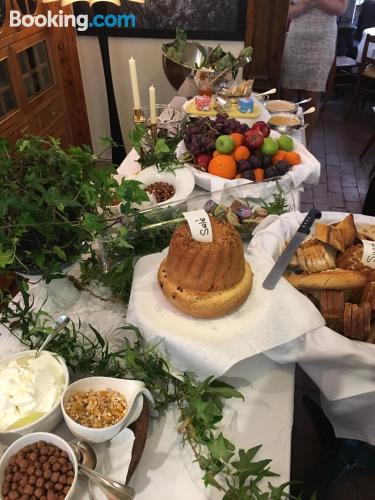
pixel 265 32
pixel 33 62
pixel 63 132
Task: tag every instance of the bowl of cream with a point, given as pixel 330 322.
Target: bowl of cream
pixel 30 393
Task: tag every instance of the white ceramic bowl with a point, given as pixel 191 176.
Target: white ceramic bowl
pixel 48 421
pixel 181 179
pixel 131 389
pixel 33 438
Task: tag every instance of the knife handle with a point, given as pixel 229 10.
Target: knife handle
pixel 309 220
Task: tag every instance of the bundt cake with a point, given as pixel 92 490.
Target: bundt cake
pixel 206 280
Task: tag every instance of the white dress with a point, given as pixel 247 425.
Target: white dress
pixel 309 51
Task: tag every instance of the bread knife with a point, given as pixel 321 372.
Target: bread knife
pixel 282 262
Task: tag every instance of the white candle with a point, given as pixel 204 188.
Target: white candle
pixel 152 104
pixel 134 83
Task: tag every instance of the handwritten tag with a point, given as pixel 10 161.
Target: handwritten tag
pixel 200 225
pixel 368 257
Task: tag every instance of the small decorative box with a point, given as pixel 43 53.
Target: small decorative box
pixel 202 102
pixel 246 104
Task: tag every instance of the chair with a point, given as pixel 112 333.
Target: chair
pixel 341 75
pixel 369 144
pixel 366 75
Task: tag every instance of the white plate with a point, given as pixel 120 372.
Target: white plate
pixel 309 166
pixel 182 179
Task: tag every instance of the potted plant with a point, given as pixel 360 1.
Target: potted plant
pixel 48 204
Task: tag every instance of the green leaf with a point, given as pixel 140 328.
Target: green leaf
pixel 60 253
pixel 6 257
pixel 220 448
pixel 161 147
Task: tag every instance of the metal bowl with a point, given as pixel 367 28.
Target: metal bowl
pixel 274 106
pixel 291 123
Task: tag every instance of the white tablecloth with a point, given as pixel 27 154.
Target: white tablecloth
pixel 166 469
pixel 343 369
pixel 361 46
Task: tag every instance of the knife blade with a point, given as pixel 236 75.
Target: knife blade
pixel 284 259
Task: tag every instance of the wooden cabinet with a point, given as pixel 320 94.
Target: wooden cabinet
pixel 265 32
pixel 40 91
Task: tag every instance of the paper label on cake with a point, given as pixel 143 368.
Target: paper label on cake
pixel 200 225
pixel 368 257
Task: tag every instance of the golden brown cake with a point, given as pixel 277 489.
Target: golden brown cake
pixel 206 280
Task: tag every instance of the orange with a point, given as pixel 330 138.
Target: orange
pixel 259 174
pixel 241 153
pixel 280 155
pixel 237 137
pixel 223 166
pixel 292 158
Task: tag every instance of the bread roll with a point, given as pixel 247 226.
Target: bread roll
pixel 337 279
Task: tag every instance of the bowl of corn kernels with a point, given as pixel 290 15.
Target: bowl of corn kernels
pixel 96 409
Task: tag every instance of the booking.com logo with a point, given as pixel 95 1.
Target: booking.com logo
pixel 81 22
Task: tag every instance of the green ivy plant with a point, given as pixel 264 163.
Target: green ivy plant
pixel 234 472
pixel 48 203
pixel 162 152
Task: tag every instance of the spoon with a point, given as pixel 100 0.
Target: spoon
pixel 267 92
pixel 304 101
pixel 309 111
pixel 61 322
pixel 87 461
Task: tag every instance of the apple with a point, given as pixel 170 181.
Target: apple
pixel 263 128
pixel 225 144
pixel 202 160
pixel 253 139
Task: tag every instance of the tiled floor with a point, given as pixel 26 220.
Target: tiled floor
pixel 337 144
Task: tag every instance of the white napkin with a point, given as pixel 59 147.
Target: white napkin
pixel 211 347
pixel 343 369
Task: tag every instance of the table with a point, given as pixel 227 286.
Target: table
pixel 361 45
pixel 129 166
pixel 166 468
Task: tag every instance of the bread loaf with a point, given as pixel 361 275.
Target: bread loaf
pixel 332 308
pixel 314 257
pixel 348 229
pixel 330 235
pixel 337 279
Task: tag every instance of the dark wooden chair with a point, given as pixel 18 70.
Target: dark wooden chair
pixel 366 75
pixel 341 75
pixel 369 144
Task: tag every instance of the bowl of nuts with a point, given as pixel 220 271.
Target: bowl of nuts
pixel 96 409
pixel 165 186
pixel 39 465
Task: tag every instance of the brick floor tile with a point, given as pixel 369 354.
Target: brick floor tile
pixel 334 184
pixel 348 169
pixel 333 171
pixel 351 194
pixel 305 207
pixel 362 186
pixel 321 203
pixel 320 190
pixel 307 197
pixel 336 200
pixel 349 180
pixel 333 159
pixel 338 209
pixel 354 207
